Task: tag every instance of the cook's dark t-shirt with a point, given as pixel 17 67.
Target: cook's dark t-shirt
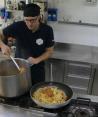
pixel 29 43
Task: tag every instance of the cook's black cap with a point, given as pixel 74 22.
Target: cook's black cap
pixel 31 10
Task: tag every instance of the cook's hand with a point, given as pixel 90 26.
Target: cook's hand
pixel 32 60
pixel 5 49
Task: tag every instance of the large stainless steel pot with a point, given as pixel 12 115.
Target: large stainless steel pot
pixel 68 91
pixel 13 83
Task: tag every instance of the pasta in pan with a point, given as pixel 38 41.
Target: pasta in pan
pixel 50 95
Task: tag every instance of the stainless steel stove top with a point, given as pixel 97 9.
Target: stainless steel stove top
pixel 23 106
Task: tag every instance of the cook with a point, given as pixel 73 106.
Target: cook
pixel 34 41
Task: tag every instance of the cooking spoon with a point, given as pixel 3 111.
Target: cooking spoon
pixel 15 63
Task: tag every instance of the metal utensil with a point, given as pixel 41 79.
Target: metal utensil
pixel 15 63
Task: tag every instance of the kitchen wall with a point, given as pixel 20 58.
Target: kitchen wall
pixel 68 33
pixel 1 3
pixel 78 12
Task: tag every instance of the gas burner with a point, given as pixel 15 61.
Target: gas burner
pixel 82 108
pixel 82 111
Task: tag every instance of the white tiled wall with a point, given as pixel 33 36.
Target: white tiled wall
pixel 74 10
pixel 67 33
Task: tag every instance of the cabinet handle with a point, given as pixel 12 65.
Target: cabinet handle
pixel 51 73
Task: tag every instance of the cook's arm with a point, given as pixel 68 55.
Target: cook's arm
pixel 4 48
pixel 41 58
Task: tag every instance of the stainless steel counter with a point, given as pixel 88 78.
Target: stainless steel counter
pixel 92 97
pixel 81 53
pixel 15 111
pixel 73 52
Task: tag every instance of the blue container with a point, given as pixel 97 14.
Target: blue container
pixel 7 14
pixel 52 14
pixel 2 12
pixel 49 17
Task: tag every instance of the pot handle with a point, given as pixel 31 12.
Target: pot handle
pixel 29 63
pixel 25 61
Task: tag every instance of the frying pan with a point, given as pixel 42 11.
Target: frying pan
pixel 67 90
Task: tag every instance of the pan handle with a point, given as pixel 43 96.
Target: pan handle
pixel 25 61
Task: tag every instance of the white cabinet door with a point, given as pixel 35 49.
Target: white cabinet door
pixel 79 76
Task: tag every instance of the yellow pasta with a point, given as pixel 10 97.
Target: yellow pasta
pixel 50 95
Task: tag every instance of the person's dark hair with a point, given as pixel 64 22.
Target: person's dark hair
pixel 31 10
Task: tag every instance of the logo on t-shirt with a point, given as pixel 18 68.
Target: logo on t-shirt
pixel 39 41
